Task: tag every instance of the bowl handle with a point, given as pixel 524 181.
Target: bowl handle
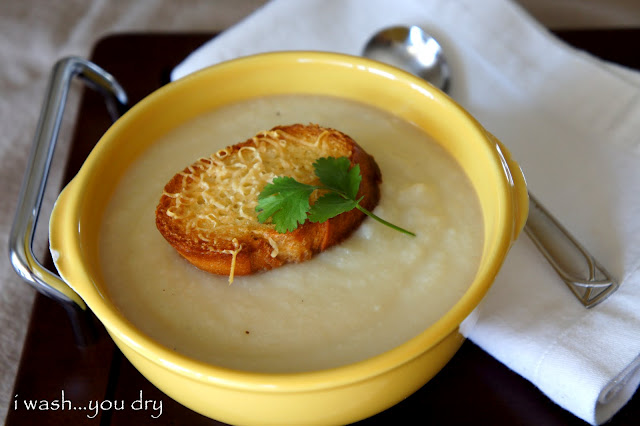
pixel 519 186
pixel 30 201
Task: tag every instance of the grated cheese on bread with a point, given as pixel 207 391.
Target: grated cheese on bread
pixel 207 211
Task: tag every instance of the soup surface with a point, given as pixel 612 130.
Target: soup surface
pixel 366 295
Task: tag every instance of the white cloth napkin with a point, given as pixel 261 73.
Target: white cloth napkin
pixel 571 121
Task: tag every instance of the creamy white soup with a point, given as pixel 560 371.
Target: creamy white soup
pixel 366 295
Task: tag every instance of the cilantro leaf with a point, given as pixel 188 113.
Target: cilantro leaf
pixel 330 205
pixel 286 201
pixel 338 175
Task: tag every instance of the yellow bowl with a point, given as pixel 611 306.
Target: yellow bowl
pixel 333 396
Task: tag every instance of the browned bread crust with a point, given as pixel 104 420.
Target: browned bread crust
pixel 195 217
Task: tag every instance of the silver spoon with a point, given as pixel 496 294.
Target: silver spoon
pixel 415 51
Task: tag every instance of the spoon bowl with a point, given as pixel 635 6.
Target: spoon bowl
pixel 413 50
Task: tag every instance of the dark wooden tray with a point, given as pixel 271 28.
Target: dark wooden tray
pixel 473 388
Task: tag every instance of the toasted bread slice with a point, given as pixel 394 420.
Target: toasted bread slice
pixel 207 211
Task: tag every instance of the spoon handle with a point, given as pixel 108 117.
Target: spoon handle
pixel 580 271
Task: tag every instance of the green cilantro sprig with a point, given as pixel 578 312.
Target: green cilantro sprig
pixel 286 201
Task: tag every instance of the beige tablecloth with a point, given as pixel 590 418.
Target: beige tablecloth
pixel 35 33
